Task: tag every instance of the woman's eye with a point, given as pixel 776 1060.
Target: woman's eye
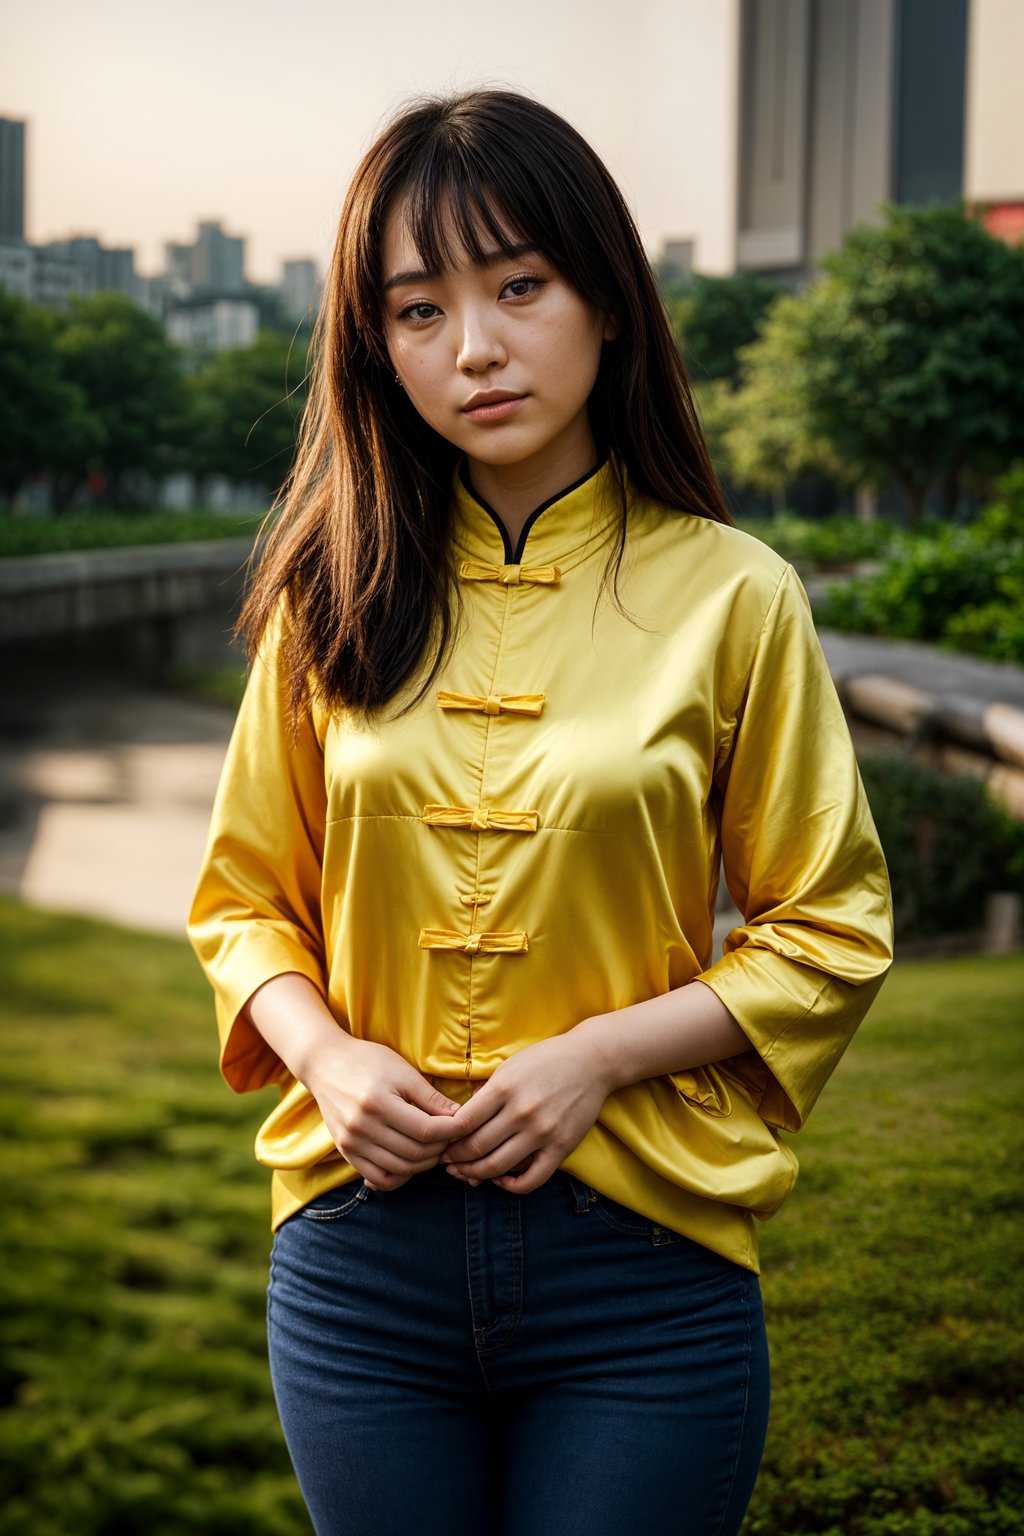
pixel 415 311
pixel 522 287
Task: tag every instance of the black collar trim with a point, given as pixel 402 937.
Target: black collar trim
pixel 514 556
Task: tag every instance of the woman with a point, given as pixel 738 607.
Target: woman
pixel 520 687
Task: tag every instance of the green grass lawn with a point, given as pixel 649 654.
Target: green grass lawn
pixel 135 1393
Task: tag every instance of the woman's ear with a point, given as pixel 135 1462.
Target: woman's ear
pixel 611 328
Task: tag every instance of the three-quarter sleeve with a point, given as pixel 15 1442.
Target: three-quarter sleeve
pixel 256 910
pixel 804 864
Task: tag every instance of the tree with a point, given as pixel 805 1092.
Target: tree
pixel 770 435
pixel 131 378
pixel 39 409
pixel 904 356
pixel 244 411
pixel 714 316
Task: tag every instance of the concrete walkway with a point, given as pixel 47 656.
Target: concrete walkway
pixel 925 666
pixel 106 788
pixel 105 796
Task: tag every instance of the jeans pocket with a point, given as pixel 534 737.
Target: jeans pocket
pixel 624 1219
pixel 333 1204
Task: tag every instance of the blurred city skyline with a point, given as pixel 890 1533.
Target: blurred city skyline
pixel 164 154
pixel 144 121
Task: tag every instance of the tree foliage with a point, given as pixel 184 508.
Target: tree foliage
pixel 39 405
pixel 713 317
pixel 902 360
pixel 245 404
pixel 98 392
pixel 130 376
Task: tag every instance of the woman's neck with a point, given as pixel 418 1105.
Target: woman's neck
pixel 513 491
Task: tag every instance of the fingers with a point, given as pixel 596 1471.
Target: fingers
pixel 512 1155
pixel 385 1176
pixel 374 1176
pixel 538 1173
pixel 392 1126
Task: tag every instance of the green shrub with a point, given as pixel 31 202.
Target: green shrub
pixel 924 584
pixel 995 630
pixel 962 587
pixel 216 685
pixel 946 843
pixel 111 530
pixel 1003 520
pixel 832 541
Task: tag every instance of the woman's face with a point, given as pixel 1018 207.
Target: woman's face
pixel 513 330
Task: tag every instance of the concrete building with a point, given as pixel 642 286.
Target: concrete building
pixel 213 325
pixel 56 276
pixel 153 294
pixel 98 268
pixel 177 273
pixel 12 179
pixel 49 274
pixel 843 105
pixel 825 108
pixel 993 141
pixel 300 289
pixel 16 267
pixel 218 261
pixel 202 293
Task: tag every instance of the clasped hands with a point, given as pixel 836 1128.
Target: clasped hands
pixel 529 1114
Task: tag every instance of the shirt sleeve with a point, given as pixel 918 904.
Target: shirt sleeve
pixel 804 864
pixel 256 910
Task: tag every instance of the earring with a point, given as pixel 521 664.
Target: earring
pixel 399 382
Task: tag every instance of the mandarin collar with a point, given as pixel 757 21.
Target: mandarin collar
pixel 559 528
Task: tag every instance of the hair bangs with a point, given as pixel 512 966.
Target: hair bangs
pixel 455 210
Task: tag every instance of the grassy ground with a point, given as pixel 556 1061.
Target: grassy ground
pixel 135 1395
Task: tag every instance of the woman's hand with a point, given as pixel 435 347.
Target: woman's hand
pixel 383 1115
pixel 543 1100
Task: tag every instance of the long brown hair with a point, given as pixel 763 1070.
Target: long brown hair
pixel 356 546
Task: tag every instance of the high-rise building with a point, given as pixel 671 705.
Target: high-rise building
pixel 99 268
pixel 12 179
pixel 300 289
pixel 822 109
pixel 218 261
pixel 843 104
pixel 177 271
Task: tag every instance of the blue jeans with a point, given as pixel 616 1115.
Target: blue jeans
pixel 450 1361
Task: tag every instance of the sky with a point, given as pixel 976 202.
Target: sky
pixel 145 118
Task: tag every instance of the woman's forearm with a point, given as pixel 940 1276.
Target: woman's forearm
pixel 684 1028
pixel 291 1015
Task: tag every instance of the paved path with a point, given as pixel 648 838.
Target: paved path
pixel 925 666
pixel 105 788
pixel 105 795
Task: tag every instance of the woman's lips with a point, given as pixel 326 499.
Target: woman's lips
pixel 496 411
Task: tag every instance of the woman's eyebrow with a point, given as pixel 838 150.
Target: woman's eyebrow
pixel 488 259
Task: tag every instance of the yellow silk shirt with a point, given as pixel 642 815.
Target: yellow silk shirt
pixel 540 840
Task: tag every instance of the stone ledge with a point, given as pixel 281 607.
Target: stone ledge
pixel 36 573
pixel 81 590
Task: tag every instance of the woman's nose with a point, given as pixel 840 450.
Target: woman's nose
pixel 480 346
